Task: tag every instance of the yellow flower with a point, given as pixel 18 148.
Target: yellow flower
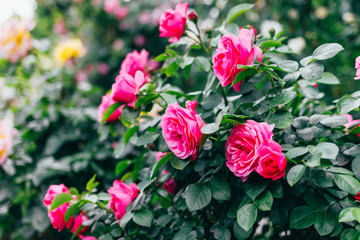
pixel 15 38
pixel 68 50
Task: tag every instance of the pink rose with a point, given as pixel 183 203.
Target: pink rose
pixel 77 222
pixel 172 22
pixel 134 62
pixel 59 27
pixel 170 185
pixel 357 66
pixel 121 196
pixel 15 38
pixel 127 87
pixel 243 144
pixel 105 103
pixel 57 215
pixel 110 6
pixel 351 124
pixel 272 162
pixel 103 68
pixel 87 237
pixel 6 139
pixel 181 129
pixel 232 51
pixel 121 12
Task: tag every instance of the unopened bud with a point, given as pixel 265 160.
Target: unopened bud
pixel 193 17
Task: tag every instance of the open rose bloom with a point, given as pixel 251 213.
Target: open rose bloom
pixel 181 129
pixel 233 50
pixel 172 22
pixel 6 139
pixel 250 147
pixel 121 196
pixel 135 61
pixel 15 38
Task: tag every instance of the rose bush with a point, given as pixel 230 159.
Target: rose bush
pixel 265 160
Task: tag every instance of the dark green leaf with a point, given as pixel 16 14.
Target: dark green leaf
pixel 281 99
pixel 347 183
pixel 178 163
pixel 302 217
pixel 282 119
pixel 197 197
pixel 159 164
pixel 72 210
pixel 203 63
pixel 295 174
pixel 220 189
pixel 296 152
pixel 143 218
pixel 246 216
pixel 324 223
pixel 244 74
pixel 334 121
pixel 110 110
pixel 264 201
pixel 147 138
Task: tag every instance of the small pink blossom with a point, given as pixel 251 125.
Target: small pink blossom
pixel 140 40
pixel 121 196
pixel 77 222
pixel 81 76
pixel 118 44
pixel 172 22
pixel 59 27
pixel 103 68
pixel 105 103
pixel 121 12
pixel 127 87
pixel 352 124
pixel 181 128
pixel 231 51
pixel 357 66
pixel 110 6
pixel 170 185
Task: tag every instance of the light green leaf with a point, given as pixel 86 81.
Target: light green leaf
pixel 143 218
pixel 347 183
pixel 295 174
pixel 327 50
pixel 246 216
pixel 237 11
pixel 60 199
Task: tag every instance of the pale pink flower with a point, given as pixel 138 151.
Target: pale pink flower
pixel 139 40
pixel 15 38
pixel 103 68
pixel 121 12
pixel 7 132
pixel 121 196
pixel 172 22
pixel 231 51
pixel 181 128
pixel 357 66
pixel 110 6
pixel 134 62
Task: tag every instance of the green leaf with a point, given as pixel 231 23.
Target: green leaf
pixel 327 50
pixel 171 69
pixel 203 63
pixel 125 219
pixel 347 183
pixel 355 167
pixel 197 197
pixel 346 215
pixel 145 100
pixel 109 111
pixel 244 74
pixel 159 164
pixel 253 189
pixel 143 218
pixel 91 183
pixel 356 213
pixel 237 11
pixel 209 128
pixel 264 201
pixel 282 119
pixel 281 99
pixel 314 161
pixel 340 170
pixel 296 152
pixel 312 72
pixel 240 233
pixel 295 174
pixel 60 199
pixel 334 121
pixel 147 138
pixel 178 163
pixel 72 210
pixel 288 66
pixel 246 216
pixel 128 116
pixel 144 184
pixel 328 78
pixel 98 229
pixel 302 217
pixel 184 61
pixel 347 104
pixel 324 223
pixel 328 150
pixel 220 189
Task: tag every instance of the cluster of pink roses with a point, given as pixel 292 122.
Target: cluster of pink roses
pixel 7 132
pixel 121 196
pixel 133 75
pixel 57 215
pixel 114 7
pixel 250 147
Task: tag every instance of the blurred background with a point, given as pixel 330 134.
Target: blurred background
pixel 56 108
